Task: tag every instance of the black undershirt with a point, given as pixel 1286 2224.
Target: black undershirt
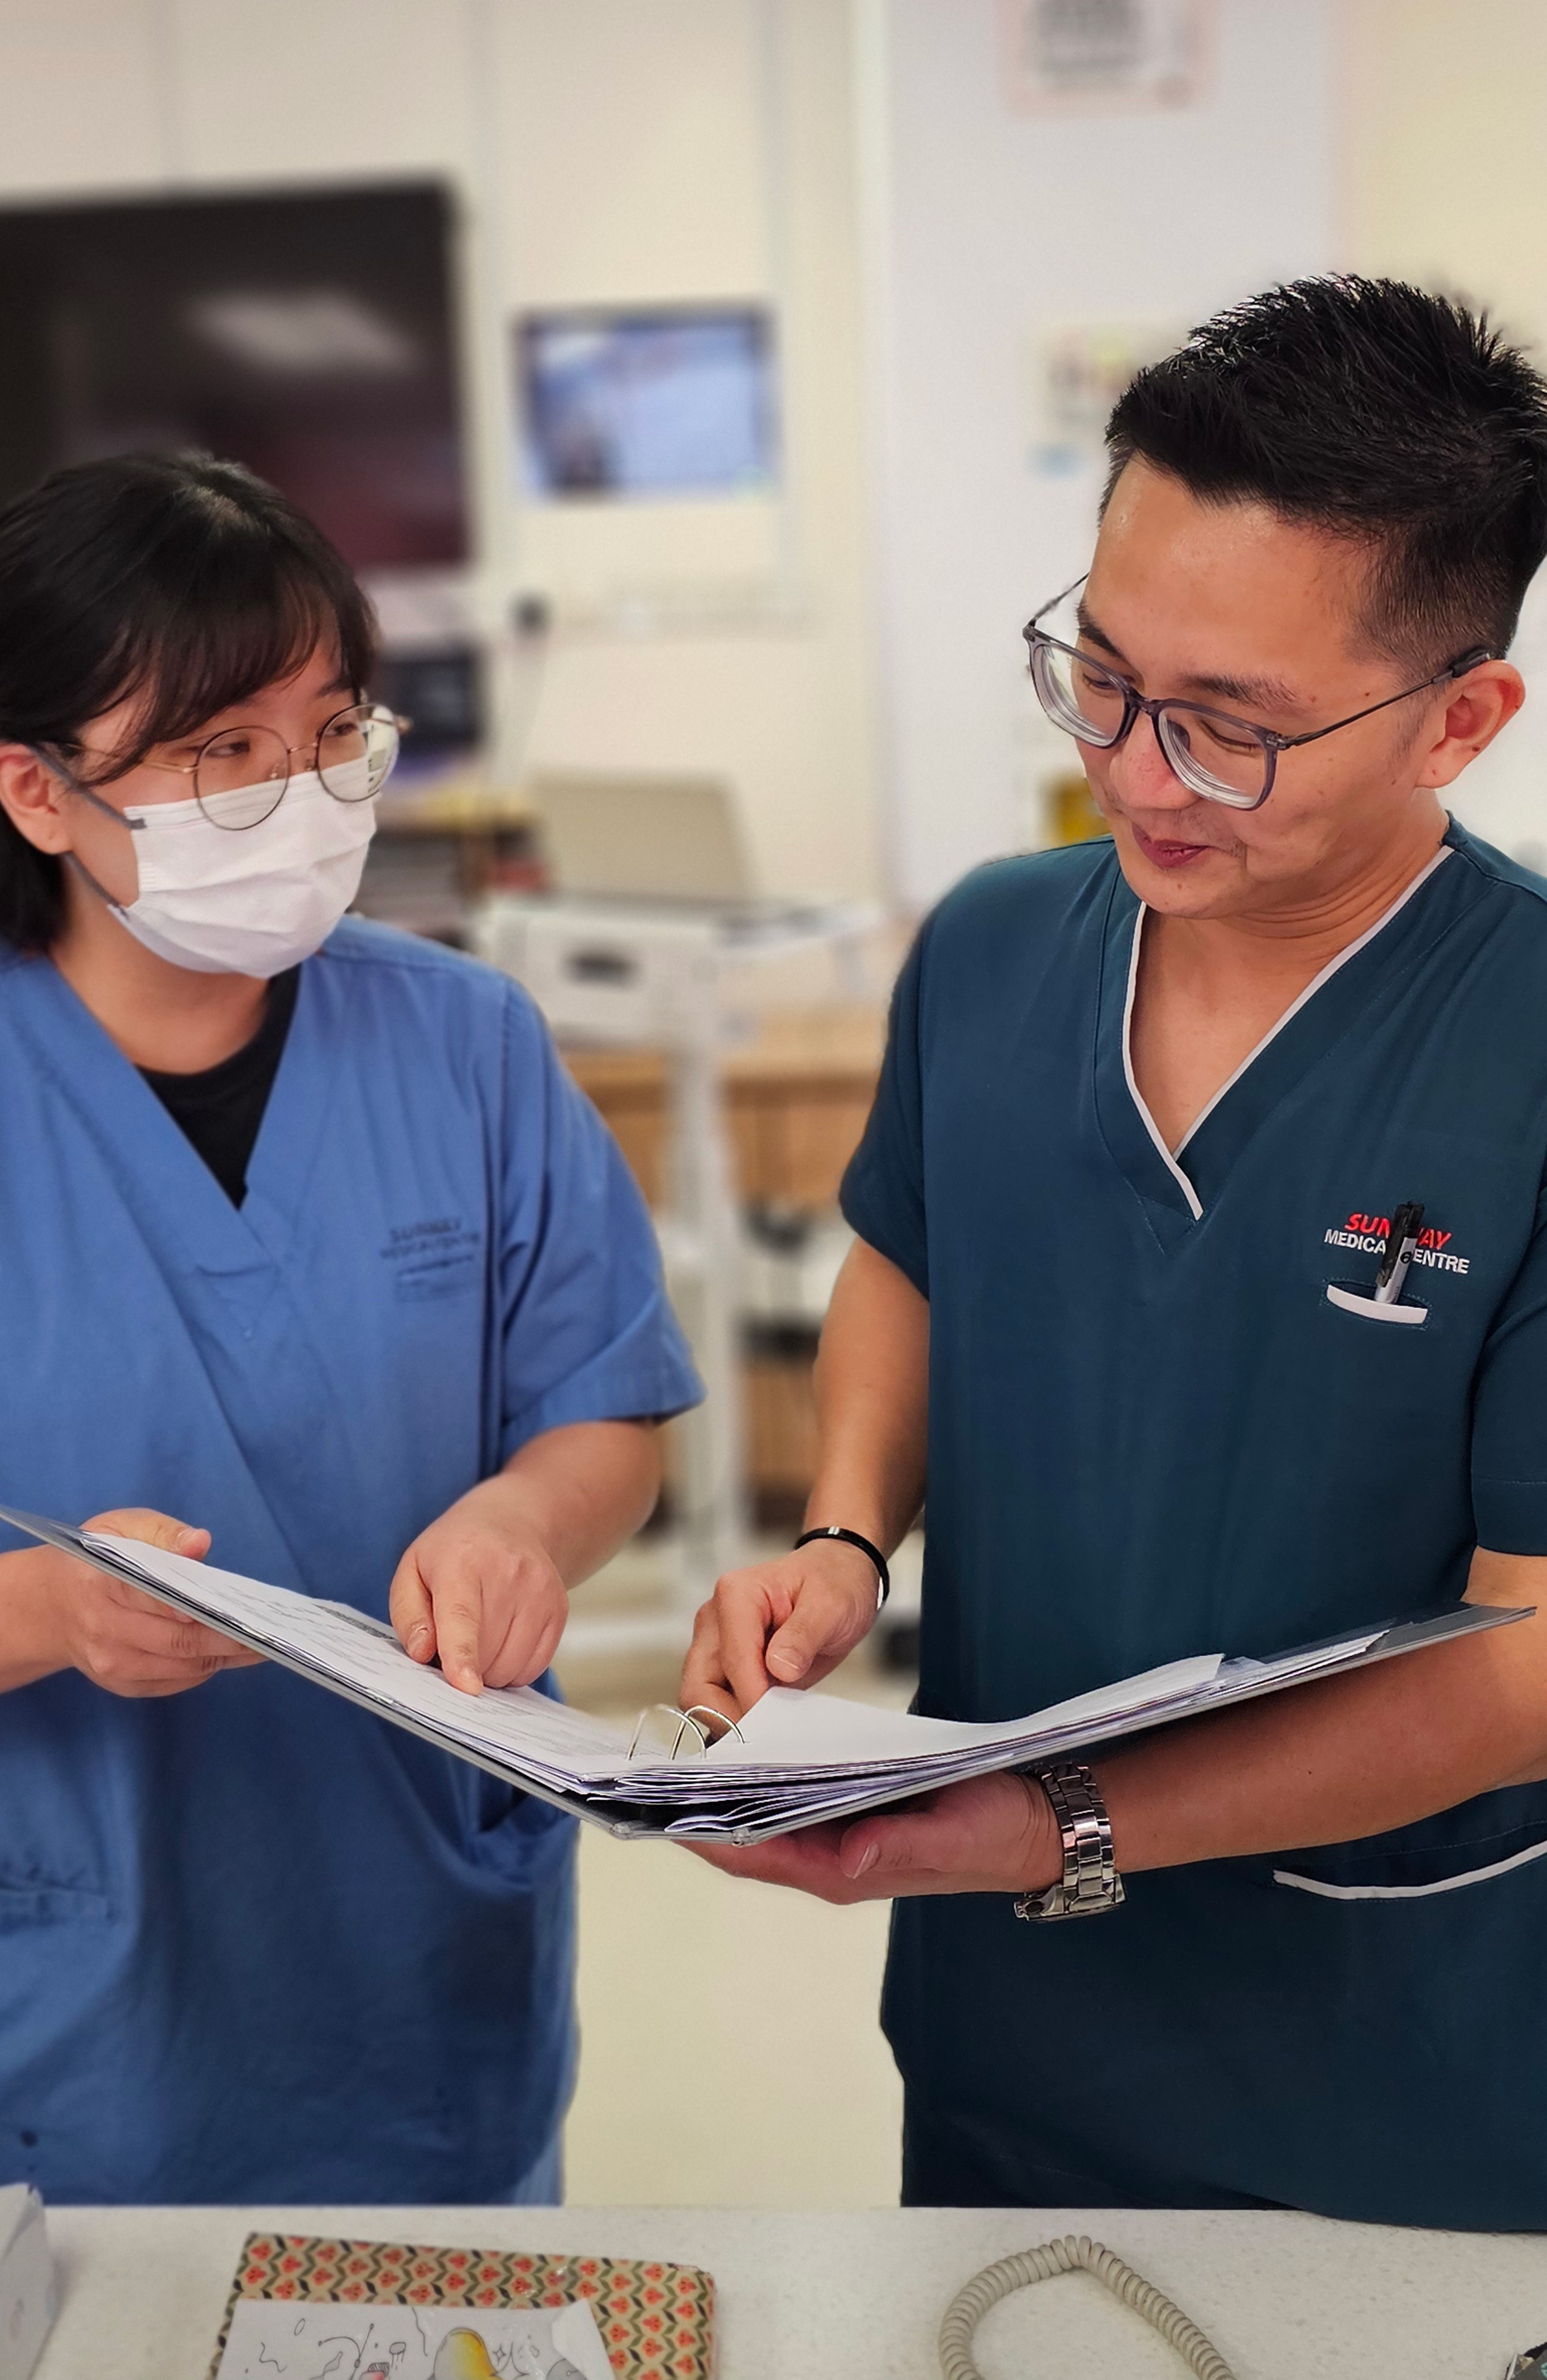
pixel 222 1109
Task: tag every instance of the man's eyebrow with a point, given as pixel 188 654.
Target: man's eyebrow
pixel 1257 693
pixel 1090 626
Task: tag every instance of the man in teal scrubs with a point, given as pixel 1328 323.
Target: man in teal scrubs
pixel 1157 1118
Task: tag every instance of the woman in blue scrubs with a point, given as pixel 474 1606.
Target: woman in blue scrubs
pixel 308 1246
pixel 1129 1288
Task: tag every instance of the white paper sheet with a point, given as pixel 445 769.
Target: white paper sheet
pixel 273 2338
pixel 797 1729
pixel 346 1646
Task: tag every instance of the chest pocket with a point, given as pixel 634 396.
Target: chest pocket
pixel 1371 1381
pixel 1400 1314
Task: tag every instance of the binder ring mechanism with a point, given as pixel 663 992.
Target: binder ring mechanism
pixel 697 1726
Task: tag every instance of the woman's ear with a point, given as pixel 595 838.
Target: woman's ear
pixel 34 797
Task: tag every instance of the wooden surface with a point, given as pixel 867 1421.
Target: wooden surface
pixel 797 1096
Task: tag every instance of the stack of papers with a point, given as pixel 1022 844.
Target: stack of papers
pixel 795 1759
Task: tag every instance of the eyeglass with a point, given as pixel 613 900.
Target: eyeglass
pixel 1215 755
pixel 352 753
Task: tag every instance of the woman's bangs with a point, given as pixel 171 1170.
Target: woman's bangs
pixel 229 638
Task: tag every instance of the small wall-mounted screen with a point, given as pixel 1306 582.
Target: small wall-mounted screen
pixel 308 333
pixel 658 403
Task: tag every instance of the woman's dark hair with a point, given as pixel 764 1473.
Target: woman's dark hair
pixel 177 582
pixel 1379 412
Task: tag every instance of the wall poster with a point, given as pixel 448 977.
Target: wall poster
pixel 1079 57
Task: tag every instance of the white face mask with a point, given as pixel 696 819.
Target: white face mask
pixel 252 901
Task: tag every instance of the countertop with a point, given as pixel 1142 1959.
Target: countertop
pixel 1284 2297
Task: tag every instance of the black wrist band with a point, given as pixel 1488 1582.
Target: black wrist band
pixel 853 1537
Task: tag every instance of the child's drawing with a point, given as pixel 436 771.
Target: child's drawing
pixel 273 2338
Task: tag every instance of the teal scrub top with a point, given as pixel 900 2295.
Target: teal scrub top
pixel 1153 1433
pixel 255 1944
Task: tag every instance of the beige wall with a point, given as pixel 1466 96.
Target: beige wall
pixel 1444 145
pixel 1443 122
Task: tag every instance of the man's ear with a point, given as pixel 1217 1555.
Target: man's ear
pixel 1485 700
pixel 33 798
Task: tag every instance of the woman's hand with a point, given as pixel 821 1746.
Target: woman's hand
pixel 783 1623
pixel 486 1586
pixel 992 1834
pixel 485 1595
pixel 69 1616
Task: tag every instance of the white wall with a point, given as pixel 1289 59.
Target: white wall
pixel 712 154
pixel 604 149
pixel 986 224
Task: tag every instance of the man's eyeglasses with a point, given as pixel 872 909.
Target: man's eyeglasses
pixel 1219 757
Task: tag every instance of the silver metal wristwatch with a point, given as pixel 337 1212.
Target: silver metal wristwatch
pixel 1090 1882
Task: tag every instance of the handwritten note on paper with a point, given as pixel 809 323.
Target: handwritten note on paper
pixel 273 2338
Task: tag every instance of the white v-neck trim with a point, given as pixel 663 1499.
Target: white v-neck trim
pixel 1194 1202
pixel 1361 942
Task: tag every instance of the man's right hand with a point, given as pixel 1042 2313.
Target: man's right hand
pixel 59 1614
pixel 783 1623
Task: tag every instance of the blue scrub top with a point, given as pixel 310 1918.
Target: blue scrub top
pixel 255 1944
pixel 1150 1434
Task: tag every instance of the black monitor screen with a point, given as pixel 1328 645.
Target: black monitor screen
pixel 307 333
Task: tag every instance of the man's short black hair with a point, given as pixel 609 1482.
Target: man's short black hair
pixel 1379 412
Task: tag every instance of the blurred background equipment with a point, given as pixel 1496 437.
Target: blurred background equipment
pixel 630 838
pixel 308 333
pixel 649 936
pixel 648 404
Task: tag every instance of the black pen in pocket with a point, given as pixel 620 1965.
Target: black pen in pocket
pixel 1397 1255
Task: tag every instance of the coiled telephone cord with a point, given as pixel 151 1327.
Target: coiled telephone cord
pixel 968 2305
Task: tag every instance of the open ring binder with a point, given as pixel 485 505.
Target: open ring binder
pixel 796 1758
pixel 688 1723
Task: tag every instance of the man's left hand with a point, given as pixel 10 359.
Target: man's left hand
pixel 485 1597
pixel 992 1834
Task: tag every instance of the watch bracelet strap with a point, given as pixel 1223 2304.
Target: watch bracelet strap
pixel 1090 1883
pixel 853 1537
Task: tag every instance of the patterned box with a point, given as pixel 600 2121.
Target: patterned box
pixel 657 2320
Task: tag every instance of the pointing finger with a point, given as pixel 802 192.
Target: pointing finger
pixel 412 1611
pixel 742 1616
pixel 703 1666
pixel 458 1626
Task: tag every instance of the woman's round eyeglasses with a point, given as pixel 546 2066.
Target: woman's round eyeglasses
pixel 240 774
pixel 1215 755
